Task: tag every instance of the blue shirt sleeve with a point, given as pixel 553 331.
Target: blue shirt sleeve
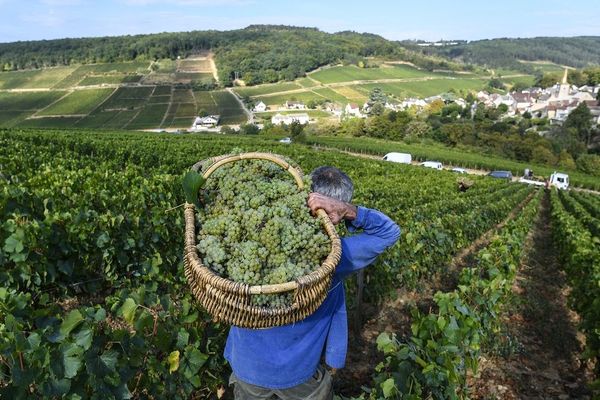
pixel 358 251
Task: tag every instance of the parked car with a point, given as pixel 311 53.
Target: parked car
pixel 403 158
pixel 285 140
pixel 501 175
pixel 432 164
pixel 560 180
pixel 459 170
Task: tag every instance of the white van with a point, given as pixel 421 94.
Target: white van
pixel 403 158
pixel 432 164
pixel 559 180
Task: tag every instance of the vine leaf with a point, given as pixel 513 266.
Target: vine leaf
pixel 128 310
pixel 70 322
pixel 192 183
pixel 72 359
pixel 173 360
pixel 389 388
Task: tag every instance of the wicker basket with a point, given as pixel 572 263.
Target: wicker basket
pixel 229 301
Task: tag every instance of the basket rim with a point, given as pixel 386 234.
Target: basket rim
pixel 228 285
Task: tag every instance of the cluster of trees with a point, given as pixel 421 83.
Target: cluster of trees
pixel 256 54
pixel 506 53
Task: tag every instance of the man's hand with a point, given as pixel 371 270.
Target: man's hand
pixel 335 209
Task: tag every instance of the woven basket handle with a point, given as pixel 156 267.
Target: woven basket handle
pixel 220 161
pixel 256 156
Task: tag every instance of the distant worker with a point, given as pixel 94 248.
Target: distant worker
pixel 284 362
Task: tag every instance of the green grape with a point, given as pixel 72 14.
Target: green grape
pixel 257 228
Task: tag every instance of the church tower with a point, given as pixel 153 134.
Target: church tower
pixel 563 91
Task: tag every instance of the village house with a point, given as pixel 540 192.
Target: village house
pixel 392 106
pixel 294 105
pixel 210 121
pixel 352 109
pixel 260 107
pixel 334 108
pixel 280 119
pixel 523 101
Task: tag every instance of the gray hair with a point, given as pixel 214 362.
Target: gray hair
pixel 332 182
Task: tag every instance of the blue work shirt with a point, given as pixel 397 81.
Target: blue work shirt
pixel 288 355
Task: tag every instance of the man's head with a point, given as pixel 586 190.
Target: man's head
pixel 332 182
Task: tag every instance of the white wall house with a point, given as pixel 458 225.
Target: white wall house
pixel 280 119
pixel 207 122
pixel 353 109
pixel 260 107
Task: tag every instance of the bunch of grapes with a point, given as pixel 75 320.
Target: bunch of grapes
pixel 257 228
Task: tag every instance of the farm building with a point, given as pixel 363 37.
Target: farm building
pixel 260 107
pixel 353 109
pixel 334 109
pixel 295 105
pixel 207 122
pixel 279 119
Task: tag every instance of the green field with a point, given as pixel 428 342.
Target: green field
pixel 49 122
pixel 528 80
pixel 423 88
pixel 313 114
pixel 122 68
pixel 166 65
pixel 194 65
pixel 206 103
pixel 120 120
pixel 8 119
pixel 42 78
pixel 353 73
pixel 544 66
pixel 159 99
pixel 97 119
pixel 111 79
pixel 183 96
pixel 331 95
pixel 306 82
pixel 230 110
pixel 194 76
pixel 267 89
pixel 78 102
pixel 28 101
pixel 149 117
pixel 128 98
pixel 279 100
pixel 162 91
pixel 186 110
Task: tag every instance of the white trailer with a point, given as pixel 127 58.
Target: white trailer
pixel 560 180
pixel 403 158
pixel 431 164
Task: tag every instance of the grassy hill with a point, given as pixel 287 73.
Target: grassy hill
pixel 576 52
pixel 257 54
pixel 168 94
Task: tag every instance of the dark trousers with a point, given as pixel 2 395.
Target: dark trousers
pixel 318 387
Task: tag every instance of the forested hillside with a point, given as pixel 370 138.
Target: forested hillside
pixel 258 53
pixel 577 52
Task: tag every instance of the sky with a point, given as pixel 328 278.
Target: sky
pixel 395 20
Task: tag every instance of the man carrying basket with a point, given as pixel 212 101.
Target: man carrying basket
pixel 284 362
